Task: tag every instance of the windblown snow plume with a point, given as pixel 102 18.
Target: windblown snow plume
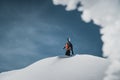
pixel 105 13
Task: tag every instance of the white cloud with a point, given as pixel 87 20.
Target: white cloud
pixel 71 4
pixel 105 13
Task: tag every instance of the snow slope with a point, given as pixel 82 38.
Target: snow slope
pixel 78 67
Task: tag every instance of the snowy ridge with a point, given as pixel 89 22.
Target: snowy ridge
pixel 78 67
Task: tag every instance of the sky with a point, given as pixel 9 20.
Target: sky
pixel 31 30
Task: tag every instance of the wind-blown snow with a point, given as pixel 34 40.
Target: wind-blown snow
pixel 105 13
pixel 79 67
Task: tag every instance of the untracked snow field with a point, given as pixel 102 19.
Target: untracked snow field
pixel 78 67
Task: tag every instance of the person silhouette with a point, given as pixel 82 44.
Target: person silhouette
pixel 69 47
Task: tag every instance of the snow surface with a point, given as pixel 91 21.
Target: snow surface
pixel 78 67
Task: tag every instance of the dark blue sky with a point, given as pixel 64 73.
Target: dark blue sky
pixel 34 29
